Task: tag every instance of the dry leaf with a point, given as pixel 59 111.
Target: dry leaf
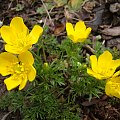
pixel 59 29
pixel 115 31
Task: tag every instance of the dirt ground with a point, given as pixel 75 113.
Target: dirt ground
pixel 104 18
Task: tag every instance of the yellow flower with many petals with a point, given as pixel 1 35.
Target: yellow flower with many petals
pixel 79 33
pixel 103 67
pixel 17 36
pixel 20 68
pixel 112 87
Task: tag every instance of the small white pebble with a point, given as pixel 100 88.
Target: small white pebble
pixel 98 37
pixel 1 23
pixel 40 21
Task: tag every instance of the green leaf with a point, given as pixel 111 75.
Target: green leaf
pixel 75 4
pixel 42 10
pixel 19 7
pixel 60 2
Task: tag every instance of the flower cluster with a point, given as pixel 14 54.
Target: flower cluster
pixel 105 68
pixel 18 61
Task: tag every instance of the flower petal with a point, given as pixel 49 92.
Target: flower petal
pixel 12 49
pixel 16 49
pixel 7 60
pixel 23 82
pixel 113 66
pixel 35 34
pixel 93 61
pixel 26 58
pixel 12 82
pixel 69 29
pixel 80 27
pixel 8 35
pixel 81 40
pixel 87 32
pixel 32 73
pixel 116 63
pixel 112 87
pixel 94 74
pixel 19 27
pixel 104 61
pixel 116 74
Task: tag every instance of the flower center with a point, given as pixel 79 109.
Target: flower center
pixel 18 68
pixel 21 42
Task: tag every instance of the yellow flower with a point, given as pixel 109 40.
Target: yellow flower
pixel 20 68
pixel 17 36
pixel 79 33
pixel 112 87
pixel 104 67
